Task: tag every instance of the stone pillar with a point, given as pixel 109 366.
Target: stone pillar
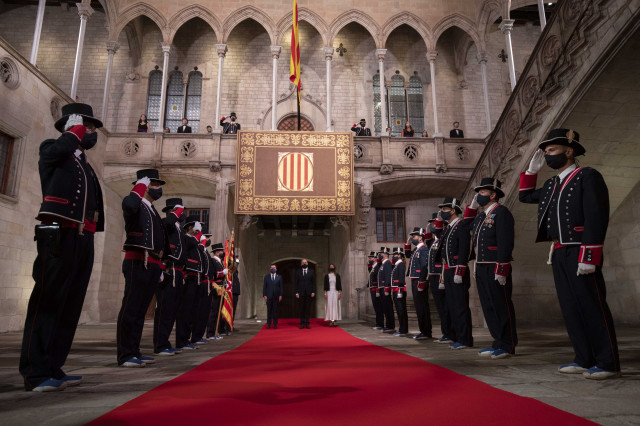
pixel 85 11
pixel 543 17
pixel 166 48
pixel 222 52
pixel 275 54
pixel 37 31
pixel 383 100
pixel 328 57
pixel 220 216
pixel 482 59
pixel 506 26
pixel 112 48
pixel 431 56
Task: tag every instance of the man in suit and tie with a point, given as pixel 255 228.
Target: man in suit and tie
pixel 305 291
pixel 184 128
pixel 272 293
pixel 455 132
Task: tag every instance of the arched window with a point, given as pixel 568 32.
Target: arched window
pixel 377 114
pixel 397 104
pixel 153 99
pixel 416 109
pixel 175 102
pixel 194 96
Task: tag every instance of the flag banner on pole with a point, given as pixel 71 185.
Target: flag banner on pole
pixel 230 264
pixel 294 67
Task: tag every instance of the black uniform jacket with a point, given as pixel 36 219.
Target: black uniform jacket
pixel 177 252
pixel 493 237
pixel 143 225
pixel 418 263
pixel 373 275
pixel 361 131
pixel 194 259
pixel 229 128
pixel 384 275
pixel 397 276
pixel 453 250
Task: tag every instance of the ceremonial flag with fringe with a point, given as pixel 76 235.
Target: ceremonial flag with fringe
pixel 294 68
pixel 230 264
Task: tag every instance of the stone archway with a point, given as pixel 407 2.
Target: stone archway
pixel 290 123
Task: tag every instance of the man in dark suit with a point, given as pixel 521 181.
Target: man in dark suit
pixel 272 293
pixel 305 291
pixel 455 132
pixel 384 284
pixel 184 128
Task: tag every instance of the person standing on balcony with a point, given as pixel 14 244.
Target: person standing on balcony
pixel 184 128
pixel 361 128
pixel 573 214
pixel 408 132
pixel 143 124
pixel 230 128
pixel 456 132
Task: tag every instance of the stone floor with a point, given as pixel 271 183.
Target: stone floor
pixel 531 373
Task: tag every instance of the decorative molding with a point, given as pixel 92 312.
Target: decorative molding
pixel 215 166
pixel 188 149
pixel 275 51
pixel 386 169
pixel 9 73
pixel 222 50
pixel 130 147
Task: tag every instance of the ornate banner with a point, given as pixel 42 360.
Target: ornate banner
pixel 295 173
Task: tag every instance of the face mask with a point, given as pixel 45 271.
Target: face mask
pixel 305 266
pixel 370 262
pixel 415 241
pixel 363 124
pixel 556 161
pixel 483 200
pixel 432 228
pixel 273 270
pixel 379 257
pixel 155 193
pixel 233 119
pixel 332 269
pixel 445 215
pixel 89 140
pixel 395 259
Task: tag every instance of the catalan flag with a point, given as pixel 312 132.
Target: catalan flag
pixel 294 67
pixel 229 263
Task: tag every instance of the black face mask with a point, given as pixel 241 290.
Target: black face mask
pixel 445 215
pixel 89 140
pixel 363 124
pixel 483 200
pixel 233 119
pixel 273 270
pixel 415 241
pixel 395 259
pixel 208 243
pixel 332 269
pixel 370 262
pixel 556 161
pixel 379 257
pixel 155 193
pixel 305 266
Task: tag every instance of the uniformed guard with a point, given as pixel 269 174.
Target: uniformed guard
pixel 491 246
pixel 373 266
pixel 71 212
pixel 169 293
pixel 418 276
pixel 145 245
pixel 361 128
pixel 193 267
pixel 453 252
pixel 230 128
pixel 399 291
pixel 203 299
pixel 434 271
pixel 573 213
pixel 218 273
pixel 384 285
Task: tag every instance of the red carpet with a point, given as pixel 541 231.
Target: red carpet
pixel 326 376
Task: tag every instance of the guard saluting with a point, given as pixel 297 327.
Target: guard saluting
pixel 71 212
pixel 193 266
pixel 399 291
pixel 230 128
pixel 434 271
pixel 361 130
pixel 492 244
pixel 142 266
pixel 573 213
pixel 203 298
pixel 418 276
pixel 374 267
pixel 384 285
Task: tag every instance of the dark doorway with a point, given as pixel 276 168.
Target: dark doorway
pixel 289 307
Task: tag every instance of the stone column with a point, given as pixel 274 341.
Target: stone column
pixel 112 48
pixel 482 59
pixel 383 100
pixel 222 52
pixel 431 56
pixel 275 54
pixel 328 57
pixel 37 31
pixel 543 17
pixel 85 11
pixel 166 48
pixel 506 26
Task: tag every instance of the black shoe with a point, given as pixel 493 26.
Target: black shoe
pixel 275 326
pixel 301 326
pixel 268 325
pixel 308 326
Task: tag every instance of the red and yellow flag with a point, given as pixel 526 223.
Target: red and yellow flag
pixel 230 264
pixel 294 66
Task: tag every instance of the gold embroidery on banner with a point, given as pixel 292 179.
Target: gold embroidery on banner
pixel 245 203
pixel 246 154
pixel 344 204
pixel 245 170
pixel 271 204
pixel 322 205
pixel 345 173
pixel 344 157
pixel 343 141
pixel 246 187
pixel 344 190
pixel 295 205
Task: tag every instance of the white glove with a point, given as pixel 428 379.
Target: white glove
pixel 537 161
pixel 502 280
pixel 161 276
pixel 440 286
pixel 177 206
pixel 73 120
pixel 225 271
pixel 203 238
pixel 474 203
pixel 399 295
pixel 386 293
pixel 585 269
pixel 197 227
pixel 421 289
pixel 145 180
pixel 377 294
pixel 457 279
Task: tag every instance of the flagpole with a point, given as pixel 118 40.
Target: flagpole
pixel 298 109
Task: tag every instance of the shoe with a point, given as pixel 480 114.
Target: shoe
pixel 51 385
pixel 274 326
pixel 500 354
pixel 72 380
pixel 189 346
pixel 596 373
pixel 486 352
pixel 387 330
pixel 308 326
pixel 219 337
pixel 165 352
pixel 202 342
pixel 176 350
pixel 572 368
pixel 443 340
pixel 398 334
pixel 302 326
pixel 133 363
pixel 420 337
pixel 146 359
pixel 375 327
pixel 268 325
pixel 457 346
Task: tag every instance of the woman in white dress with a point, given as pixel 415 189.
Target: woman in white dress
pixel 332 295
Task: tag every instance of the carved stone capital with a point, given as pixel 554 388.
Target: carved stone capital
pixel 506 25
pixel 441 168
pixel 84 10
pixel 166 48
pixel 275 51
pixel 112 47
pixel 482 57
pixel 222 50
pixel 248 221
pixel 215 166
pixel 328 53
pixel 386 169
pixel 431 56
pixel 381 53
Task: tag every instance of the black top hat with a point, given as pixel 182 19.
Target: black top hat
pixel 217 247
pixel 417 231
pixel 171 203
pixel 191 220
pixel 398 250
pixel 362 119
pixel 566 137
pixel 384 250
pixel 233 114
pixel 372 254
pixel 491 184
pixel 451 202
pixel 152 174
pixel 76 108
pixel 434 216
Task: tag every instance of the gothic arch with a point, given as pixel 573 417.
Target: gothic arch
pixel 490 11
pixel 462 22
pixel 358 17
pixel 190 12
pixel 136 10
pixel 411 20
pixel 244 13
pixel 308 16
